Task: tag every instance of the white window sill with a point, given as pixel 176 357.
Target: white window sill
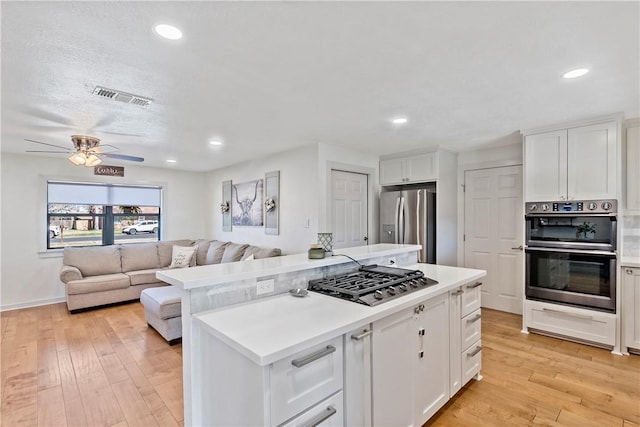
pixel 51 253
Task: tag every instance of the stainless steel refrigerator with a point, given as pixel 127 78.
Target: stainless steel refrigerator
pixel 409 217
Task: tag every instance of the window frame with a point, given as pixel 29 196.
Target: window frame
pixel 109 217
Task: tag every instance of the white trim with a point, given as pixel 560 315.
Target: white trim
pixel 618 117
pixel 51 253
pixel 29 304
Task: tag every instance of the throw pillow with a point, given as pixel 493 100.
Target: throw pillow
pixel 215 252
pixel 183 256
pixel 248 258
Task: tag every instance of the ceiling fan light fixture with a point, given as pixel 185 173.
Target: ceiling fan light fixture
pixel 92 160
pixel 78 159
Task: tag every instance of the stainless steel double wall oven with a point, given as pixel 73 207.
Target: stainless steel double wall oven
pixel 571 252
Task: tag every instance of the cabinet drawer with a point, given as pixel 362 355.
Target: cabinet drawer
pixel 471 361
pixel 470 327
pixel 581 324
pixel 328 413
pixel 305 378
pixel 470 298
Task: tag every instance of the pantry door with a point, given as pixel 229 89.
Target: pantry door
pixel 493 234
pixel 349 208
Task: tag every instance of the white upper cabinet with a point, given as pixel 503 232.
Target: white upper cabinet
pixel 633 168
pixel 410 169
pixel 580 163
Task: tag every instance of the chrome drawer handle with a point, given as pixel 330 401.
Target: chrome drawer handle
pixel 475 285
pixel 364 334
pixel 475 319
pixel 474 352
pixel 457 292
pixel 321 417
pixel 299 363
pixel 578 316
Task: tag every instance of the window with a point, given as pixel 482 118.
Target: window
pixel 85 214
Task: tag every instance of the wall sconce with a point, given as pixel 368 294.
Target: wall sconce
pixel 224 207
pixel 269 204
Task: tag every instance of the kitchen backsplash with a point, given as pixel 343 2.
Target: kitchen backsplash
pixel 631 236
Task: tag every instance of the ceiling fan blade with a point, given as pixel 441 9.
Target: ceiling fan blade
pixel 118 133
pixel 57 152
pixel 122 157
pixel 49 116
pixel 50 145
pixel 102 146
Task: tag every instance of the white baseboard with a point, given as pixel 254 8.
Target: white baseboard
pixel 31 304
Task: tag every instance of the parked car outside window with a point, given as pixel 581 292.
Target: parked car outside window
pixel 142 227
pixel 54 231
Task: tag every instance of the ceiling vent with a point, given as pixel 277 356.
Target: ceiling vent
pixel 125 97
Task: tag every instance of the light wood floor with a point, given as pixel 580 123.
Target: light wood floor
pixel 106 367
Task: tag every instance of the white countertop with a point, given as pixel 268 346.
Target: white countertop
pixel 629 261
pixel 207 275
pixel 269 329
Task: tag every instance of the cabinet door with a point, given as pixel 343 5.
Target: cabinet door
pixel 545 166
pixel 455 375
pixel 592 162
pixel 357 377
pixel 431 378
pixel 394 349
pixel 633 169
pixel 422 167
pixel 392 171
pixel 631 313
pixel 471 296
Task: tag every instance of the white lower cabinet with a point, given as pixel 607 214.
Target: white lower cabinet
pixel 357 377
pixel 631 307
pixel 571 322
pixel 234 391
pixel 410 359
pixel 328 413
pixel 465 320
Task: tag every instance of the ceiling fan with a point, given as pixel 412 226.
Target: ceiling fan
pixel 86 151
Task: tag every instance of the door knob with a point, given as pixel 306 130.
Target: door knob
pixel 518 248
pixel 366 238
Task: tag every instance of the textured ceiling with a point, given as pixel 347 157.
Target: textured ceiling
pixel 268 76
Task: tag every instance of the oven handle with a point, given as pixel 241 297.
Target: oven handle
pixel 572 251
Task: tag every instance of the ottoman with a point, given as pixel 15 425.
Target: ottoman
pixel 162 311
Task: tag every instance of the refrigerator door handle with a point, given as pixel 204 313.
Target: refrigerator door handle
pixel 418 223
pixel 401 221
pixel 397 219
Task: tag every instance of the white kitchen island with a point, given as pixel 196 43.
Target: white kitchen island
pixel 214 286
pixel 319 360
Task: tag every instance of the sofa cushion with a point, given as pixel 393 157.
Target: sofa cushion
pixel 215 252
pixel 233 252
pixel 259 252
pixel 142 277
pixel 163 301
pixel 105 282
pixel 183 256
pixel 165 250
pixel 94 261
pixel 201 252
pixel 139 256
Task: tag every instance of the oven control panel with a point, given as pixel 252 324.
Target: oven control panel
pixel 608 206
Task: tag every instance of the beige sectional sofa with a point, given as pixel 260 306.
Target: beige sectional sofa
pixel 100 275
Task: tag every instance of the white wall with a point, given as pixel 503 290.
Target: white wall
pixel 299 199
pixel 29 272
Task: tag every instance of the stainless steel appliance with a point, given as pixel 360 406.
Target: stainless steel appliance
pixel 571 252
pixel 372 284
pixel 407 216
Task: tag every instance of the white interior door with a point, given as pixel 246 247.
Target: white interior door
pixel 493 228
pixel 349 208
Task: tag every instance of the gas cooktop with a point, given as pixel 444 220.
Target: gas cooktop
pixel 372 284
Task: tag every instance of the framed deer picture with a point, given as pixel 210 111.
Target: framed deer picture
pixel 247 204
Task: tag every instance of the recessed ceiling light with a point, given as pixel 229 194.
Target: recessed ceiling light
pixel 171 161
pixel 168 31
pixel 215 142
pixel 399 121
pixel 579 72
